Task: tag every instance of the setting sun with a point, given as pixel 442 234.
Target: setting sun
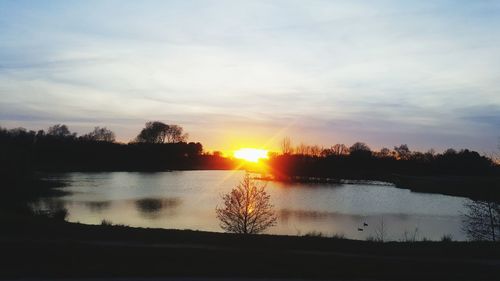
pixel 250 154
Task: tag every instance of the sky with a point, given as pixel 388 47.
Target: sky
pixel 247 73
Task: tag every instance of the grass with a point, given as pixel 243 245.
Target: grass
pixel 44 247
pixel 314 234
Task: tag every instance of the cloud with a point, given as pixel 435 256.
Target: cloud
pixel 421 73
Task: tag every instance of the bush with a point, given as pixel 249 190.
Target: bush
pixel 447 238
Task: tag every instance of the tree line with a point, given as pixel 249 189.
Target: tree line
pixel 314 160
pixel 462 172
pixel 401 152
pixel 154 132
pixel 158 146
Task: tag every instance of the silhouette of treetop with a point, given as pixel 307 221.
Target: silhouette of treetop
pixel 159 132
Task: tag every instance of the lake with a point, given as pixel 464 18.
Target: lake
pixel 187 200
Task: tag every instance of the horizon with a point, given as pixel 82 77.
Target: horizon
pixel 252 153
pixel 247 74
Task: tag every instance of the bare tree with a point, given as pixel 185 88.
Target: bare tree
pixel 286 146
pixel 247 209
pixel 340 149
pixel 302 149
pixel 380 234
pixel 315 150
pixel 482 220
pixel 175 134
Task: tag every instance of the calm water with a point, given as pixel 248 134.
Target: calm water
pixel 187 200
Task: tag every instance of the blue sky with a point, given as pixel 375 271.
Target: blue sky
pixel 247 73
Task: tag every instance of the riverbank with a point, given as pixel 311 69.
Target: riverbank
pixel 42 247
pixel 473 187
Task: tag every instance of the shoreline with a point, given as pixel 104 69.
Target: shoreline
pixel 61 249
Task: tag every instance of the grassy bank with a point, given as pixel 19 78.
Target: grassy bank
pixel 42 247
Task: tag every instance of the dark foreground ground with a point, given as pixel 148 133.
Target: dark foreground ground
pixel 174 279
pixel 37 247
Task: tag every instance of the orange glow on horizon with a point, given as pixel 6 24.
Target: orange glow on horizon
pixel 251 154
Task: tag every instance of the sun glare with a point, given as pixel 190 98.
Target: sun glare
pixel 250 154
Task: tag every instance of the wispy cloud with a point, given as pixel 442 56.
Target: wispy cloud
pixel 422 73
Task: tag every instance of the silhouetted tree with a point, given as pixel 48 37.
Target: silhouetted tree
pixel 385 152
pixel 340 149
pixel 418 156
pixel 175 134
pixel 247 209
pixel 40 134
pixel 159 132
pixel 302 149
pixel 315 150
pixel 360 149
pixel 450 151
pixel 309 150
pixel 429 155
pixel 154 132
pixel 99 134
pixel 18 132
pixel 482 220
pixel 327 152
pixel 359 146
pixel 403 152
pixel 286 146
pixel 60 131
